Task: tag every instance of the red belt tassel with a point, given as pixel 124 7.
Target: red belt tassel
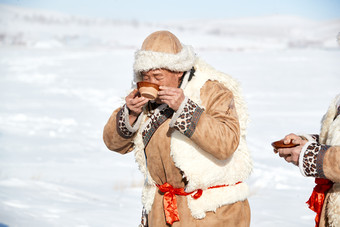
pixel 317 198
pixel 170 202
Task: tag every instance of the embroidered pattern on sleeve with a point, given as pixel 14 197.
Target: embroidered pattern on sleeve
pixel 187 120
pixel 313 160
pixel 122 130
pixel 156 120
pixel 309 160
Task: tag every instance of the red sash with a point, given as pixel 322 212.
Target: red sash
pixel 317 198
pixel 170 202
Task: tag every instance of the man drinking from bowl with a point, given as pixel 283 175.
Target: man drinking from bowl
pixel 189 141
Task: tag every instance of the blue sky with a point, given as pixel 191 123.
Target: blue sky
pixel 152 10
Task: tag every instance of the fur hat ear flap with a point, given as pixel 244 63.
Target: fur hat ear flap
pixel 162 49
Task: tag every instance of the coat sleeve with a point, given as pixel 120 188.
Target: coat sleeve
pixel 331 164
pixel 118 134
pixel 215 129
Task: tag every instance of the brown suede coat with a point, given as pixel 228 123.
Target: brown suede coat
pixel 217 132
pixel 331 168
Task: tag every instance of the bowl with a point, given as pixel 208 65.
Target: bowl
pixel 279 144
pixel 148 90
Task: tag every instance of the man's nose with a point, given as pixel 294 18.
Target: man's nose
pixel 153 80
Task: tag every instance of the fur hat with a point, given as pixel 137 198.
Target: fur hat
pixel 162 49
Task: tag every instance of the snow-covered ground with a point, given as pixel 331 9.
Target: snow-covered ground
pixel 61 76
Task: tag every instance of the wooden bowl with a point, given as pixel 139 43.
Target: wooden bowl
pixel 279 144
pixel 148 90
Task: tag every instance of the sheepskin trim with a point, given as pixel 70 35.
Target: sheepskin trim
pixel 139 152
pixel 147 60
pixel 327 120
pixel 200 168
pixel 148 195
pixel 333 206
pixel 205 72
pixel 178 112
pixel 139 146
pixel 330 135
pixel 203 170
pixel 149 188
pixel 212 199
pixel 137 123
pixel 333 135
pixel 121 124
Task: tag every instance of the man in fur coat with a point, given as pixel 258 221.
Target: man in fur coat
pixel 319 156
pixel 189 142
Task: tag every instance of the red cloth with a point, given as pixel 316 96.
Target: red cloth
pixel 316 200
pixel 170 202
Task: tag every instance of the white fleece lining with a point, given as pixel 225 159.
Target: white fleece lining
pixel 333 206
pixel 327 121
pixel 200 168
pixel 149 188
pixel 221 196
pixel 147 60
pixel 334 133
pixel 338 102
pixel 302 153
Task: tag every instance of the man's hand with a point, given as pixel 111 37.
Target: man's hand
pixel 171 96
pixel 291 154
pixel 135 104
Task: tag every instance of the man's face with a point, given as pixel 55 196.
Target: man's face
pixel 162 77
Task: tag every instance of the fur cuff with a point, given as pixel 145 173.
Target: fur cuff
pixel 147 60
pixel 186 118
pixel 301 160
pixel 312 159
pixel 123 124
pixel 178 112
pixel 137 123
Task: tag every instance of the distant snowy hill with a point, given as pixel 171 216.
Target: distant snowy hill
pixel 46 29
